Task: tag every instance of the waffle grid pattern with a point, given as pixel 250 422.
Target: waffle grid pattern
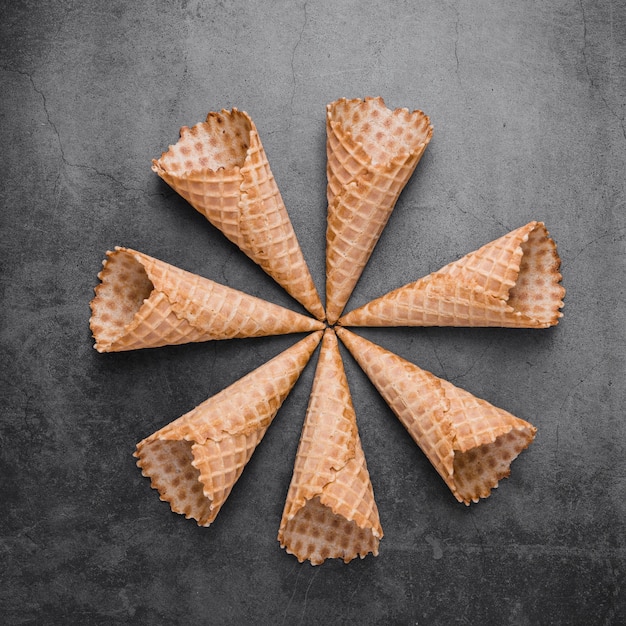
pixel 495 266
pixel 221 463
pixel 215 195
pixel 222 310
pixel 404 385
pixel 267 232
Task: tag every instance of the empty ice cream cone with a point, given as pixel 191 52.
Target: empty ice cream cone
pixel 372 152
pixel 470 442
pixel 195 460
pixel 330 510
pixel 142 302
pixel 220 167
pixel 513 281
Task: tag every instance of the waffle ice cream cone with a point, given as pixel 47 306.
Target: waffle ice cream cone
pixel 330 510
pixel 195 460
pixel 142 302
pixel 512 282
pixel 372 152
pixel 470 442
pixel 220 167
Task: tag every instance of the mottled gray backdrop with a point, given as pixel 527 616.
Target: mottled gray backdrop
pixel 527 100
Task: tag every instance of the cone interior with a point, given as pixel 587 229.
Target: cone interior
pixel 169 464
pixel 123 288
pixel 383 133
pixel 222 141
pixel 478 470
pixel 316 533
pixel 537 292
pixel 196 478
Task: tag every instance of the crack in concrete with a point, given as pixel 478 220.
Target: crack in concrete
pixel 592 82
pixel 481 543
pixel 456 43
pixel 306 596
pixel 489 220
pixel 292 61
pixel 474 363
pixel 570 393
pixel 436 353
pixel 293 593
pixel 65 161
pixel 611 233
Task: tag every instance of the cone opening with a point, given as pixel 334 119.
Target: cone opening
pixel 478 470
pixel 383 133
pixel 123 288
pixel 315 534
pixel 169 466
pixel 537 292
pixel 221 142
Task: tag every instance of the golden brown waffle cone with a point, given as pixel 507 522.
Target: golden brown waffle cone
pixel 195 460
pixel 470 442
pixel 220 167
pixel 142 302
pixel 372 152
pixel 330 510
pixel 513 281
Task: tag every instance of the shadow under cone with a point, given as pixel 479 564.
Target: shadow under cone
pixel 470 442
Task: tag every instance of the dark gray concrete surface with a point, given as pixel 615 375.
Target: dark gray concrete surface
pixel 528 104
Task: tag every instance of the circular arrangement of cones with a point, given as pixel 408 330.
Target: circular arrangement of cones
pixel 220 167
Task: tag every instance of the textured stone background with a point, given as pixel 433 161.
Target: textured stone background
pixel 528 104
